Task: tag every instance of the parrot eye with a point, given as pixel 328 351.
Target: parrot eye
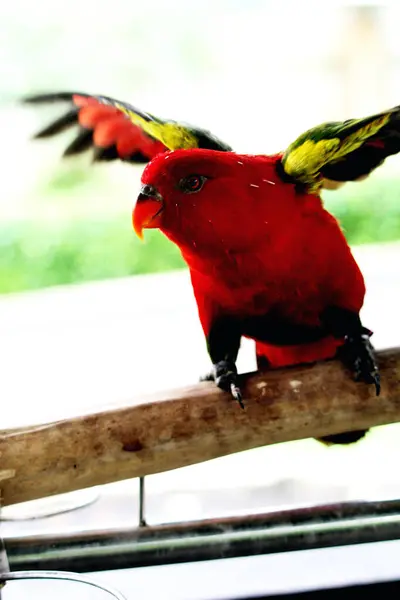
pixel 192 183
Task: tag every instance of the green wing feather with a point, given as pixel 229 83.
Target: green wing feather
pixel 342 151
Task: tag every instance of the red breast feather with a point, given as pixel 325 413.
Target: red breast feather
pixel 254 243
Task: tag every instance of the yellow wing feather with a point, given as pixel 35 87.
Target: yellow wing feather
pixel 305 158
pixel 172 135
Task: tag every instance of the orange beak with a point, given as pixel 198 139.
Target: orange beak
pixel 149 205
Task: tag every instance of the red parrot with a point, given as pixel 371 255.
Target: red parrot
pixel 267 261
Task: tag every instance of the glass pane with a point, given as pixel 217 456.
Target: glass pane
pixel 72 349
pixel 43 589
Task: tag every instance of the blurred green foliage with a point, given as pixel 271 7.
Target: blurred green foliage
pixel 35 255
pixel 368 212
pixel 41 252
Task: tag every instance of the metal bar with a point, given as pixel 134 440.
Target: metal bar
pixel 298 529
pixel 4 566
pixel 142 502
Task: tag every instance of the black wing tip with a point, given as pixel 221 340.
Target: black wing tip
pixel 59 125
pixel 41 135
pixel 82 142
pixel 111 153
pixel 207 140
pixel 105 154
pixel 48 98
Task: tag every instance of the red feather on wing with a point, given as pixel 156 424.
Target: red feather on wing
pixel 101 126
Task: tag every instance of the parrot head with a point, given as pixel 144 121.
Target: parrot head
pixel 206 199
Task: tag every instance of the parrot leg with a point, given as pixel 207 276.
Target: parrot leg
pixel 357 352
pixel 223 342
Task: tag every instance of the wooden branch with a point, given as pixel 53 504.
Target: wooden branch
pixel 191 425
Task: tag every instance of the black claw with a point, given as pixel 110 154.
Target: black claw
pixel 237 394
pixel 225 376
pixel 358 355
pixel 370 377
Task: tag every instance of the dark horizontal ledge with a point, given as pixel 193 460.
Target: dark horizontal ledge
pixel 288 530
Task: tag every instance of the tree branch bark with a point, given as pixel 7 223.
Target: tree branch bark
pixel 191 425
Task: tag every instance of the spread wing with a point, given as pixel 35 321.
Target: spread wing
pixel 342 151
pixel 118 130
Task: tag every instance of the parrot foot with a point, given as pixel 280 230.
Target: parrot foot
pixel 224 374
pixel 358 355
